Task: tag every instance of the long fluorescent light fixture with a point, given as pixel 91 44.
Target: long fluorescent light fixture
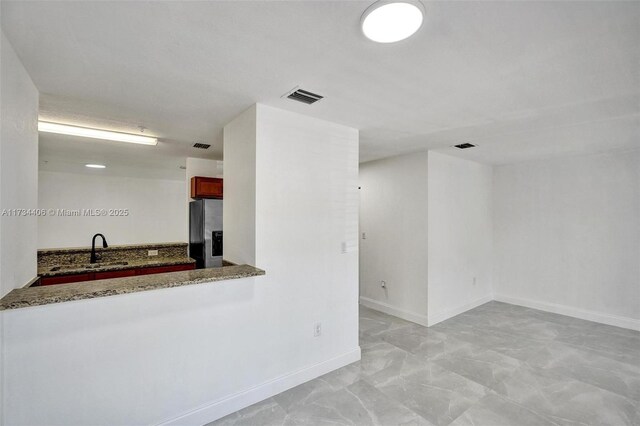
pixel 85 132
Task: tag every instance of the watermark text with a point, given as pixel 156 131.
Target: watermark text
pixel 64 212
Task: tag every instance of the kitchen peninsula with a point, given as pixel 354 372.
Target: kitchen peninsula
pixel 67 274
pixel 45 295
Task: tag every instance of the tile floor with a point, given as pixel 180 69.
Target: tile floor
pixel 497 364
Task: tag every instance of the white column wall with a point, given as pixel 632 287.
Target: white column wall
pixel 460 234
pixel 18 171
pixel 239 206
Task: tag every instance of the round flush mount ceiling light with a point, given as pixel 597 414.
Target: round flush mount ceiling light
pixel 391 21
pixel 96 166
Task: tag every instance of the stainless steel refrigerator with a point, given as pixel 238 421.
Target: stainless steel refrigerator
pixel 205 232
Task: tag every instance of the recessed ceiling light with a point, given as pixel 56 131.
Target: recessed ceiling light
pixel 65 129
pixel 96 166
pixel 390 21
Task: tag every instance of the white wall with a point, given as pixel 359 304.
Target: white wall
pixel 195 353
pixel 239 206
pixel 306 216
pixel 562 235
pixel 157 212
pixel 203 167
pixel 428 224
pixel 134 359
pixel 567 234
pixel 393 202
pixel 18 171
pixel 460 234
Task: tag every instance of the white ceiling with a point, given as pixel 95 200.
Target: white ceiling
pixel 69 154
pixel 523 80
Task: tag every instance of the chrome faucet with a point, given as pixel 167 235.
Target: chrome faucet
pixel 94 257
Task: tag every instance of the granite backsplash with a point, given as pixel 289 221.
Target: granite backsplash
pixel 81 255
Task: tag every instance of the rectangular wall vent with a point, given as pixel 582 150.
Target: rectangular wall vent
pixel 201 146
pixel 464 145
pixel 304 96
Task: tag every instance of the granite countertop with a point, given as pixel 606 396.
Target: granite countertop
pixel 45 295
pixel 51 271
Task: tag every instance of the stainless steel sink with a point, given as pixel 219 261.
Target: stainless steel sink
pixel 87 266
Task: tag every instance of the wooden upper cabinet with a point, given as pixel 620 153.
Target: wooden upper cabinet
pixel 206 187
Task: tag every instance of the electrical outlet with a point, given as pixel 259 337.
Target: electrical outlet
pixel 383 284
pixel 317 329
pixel 364 235
pixel 152 252
pixel 343 247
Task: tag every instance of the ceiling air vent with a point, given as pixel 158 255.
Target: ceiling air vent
pixel 465 145
pixel 303 96
pixel 201 146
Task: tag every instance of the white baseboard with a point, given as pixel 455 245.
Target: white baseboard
pixel 222 407
pixel 433 319
pixel 392 310
pixel 615 320
pixel 450 313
